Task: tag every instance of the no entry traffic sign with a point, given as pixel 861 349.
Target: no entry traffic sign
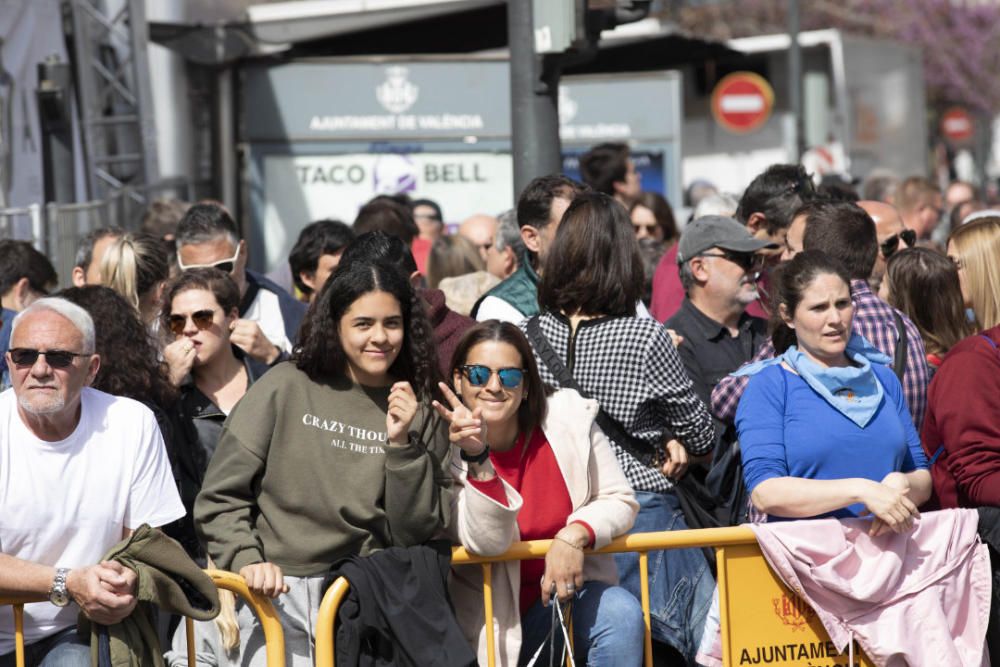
pixel 742 102
pixel 957 124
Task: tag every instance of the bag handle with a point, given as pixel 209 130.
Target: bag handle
pixel 639 449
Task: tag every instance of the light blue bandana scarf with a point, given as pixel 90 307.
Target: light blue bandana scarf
pixel 853 390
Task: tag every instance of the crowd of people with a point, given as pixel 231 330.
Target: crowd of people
pixel 577 368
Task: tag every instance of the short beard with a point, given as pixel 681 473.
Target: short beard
pixel 54 406
pixel 746 298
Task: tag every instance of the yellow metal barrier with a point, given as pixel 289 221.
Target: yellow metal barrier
pixel 642 543
pixel 17 602
pixel 274 637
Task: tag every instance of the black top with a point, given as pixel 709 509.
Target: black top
pixel 709 352
pixel 198 423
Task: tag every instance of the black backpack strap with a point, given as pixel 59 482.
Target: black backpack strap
pixel 902 345
pixel 612 428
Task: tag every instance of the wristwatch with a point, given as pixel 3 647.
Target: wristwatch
pixel 58 595
pixel 478 459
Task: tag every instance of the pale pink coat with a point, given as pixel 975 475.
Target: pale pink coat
pixel 915 599
pixel 600 495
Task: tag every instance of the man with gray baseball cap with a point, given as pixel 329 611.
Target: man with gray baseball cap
pixel 719 262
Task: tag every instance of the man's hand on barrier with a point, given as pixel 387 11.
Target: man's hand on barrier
pixel 564 563
pixel 265 579
pixel 105 594
pixel 247 335
pixel 675 462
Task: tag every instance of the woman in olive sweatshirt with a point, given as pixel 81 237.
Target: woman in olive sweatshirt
pixel 333 454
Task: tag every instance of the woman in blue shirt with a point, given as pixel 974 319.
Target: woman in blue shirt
pixel 824 428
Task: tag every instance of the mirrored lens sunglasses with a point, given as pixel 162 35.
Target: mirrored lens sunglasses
pixel 479 376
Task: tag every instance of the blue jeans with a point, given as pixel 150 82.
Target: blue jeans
pixel 680 583
pixel 63 649
pixel 607 628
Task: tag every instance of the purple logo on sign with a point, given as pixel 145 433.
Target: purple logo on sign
pixel 394 173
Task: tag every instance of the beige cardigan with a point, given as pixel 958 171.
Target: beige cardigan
pixel 600 496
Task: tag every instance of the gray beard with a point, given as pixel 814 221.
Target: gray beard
pixel 55 406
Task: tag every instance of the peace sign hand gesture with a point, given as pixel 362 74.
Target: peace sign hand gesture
pixel 467 429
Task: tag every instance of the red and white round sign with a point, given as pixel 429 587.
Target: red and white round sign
pixel 957 124
pixel 742 102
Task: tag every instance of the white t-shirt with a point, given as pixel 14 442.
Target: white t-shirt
pixel 265 310
pixel 67 503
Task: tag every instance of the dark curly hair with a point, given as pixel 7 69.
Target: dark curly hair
pixel 129 360
pixel 321 355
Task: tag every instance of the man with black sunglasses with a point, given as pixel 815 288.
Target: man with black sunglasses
pixel 82 470
pixel 269 316
pixel 891 233
pixel 719 260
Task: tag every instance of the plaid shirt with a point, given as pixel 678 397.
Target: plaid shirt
pixel 873 319
pixel 630 366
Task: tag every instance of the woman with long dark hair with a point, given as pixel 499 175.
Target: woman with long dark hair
pixel 334 454
pixel 532 464
pixel 592 281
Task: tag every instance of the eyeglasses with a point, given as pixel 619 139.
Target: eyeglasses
pixel 202 319
pixel 224 265
pixel 748 261
pixel 891 244
pixel 25 357
pixel 479 376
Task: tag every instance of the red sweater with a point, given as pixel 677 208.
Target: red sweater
pixel 535 475
pixel 963 415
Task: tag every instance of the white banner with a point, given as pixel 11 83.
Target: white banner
pixel 301 189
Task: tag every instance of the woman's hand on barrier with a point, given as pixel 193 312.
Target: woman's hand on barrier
pixel 675 463
pixel 890 506
pixel 564 564
pixel 402 410
pixel 265 579
pixel 466 427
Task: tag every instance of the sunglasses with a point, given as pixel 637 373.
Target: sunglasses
pixel 25 357
pixel 479 376
pixel 891 244
pixel 202 319
pixel 748 261
pixel 224 265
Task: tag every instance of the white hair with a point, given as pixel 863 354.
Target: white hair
pixel 77 316
pixel 720 203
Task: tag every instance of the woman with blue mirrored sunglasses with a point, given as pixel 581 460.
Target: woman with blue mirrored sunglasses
pixel 532 464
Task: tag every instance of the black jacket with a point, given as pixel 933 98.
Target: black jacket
pixel 398 611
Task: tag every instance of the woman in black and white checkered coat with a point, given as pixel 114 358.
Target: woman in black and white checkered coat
pixel 590 286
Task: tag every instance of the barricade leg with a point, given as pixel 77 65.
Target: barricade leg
pixel 644 589
pixel 19 635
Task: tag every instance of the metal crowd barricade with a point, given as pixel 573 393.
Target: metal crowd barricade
pixel 17 602
pixel 274 636
pixel 762 621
